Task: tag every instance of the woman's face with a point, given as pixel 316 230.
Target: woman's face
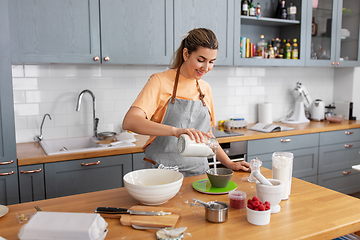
pixel 198 63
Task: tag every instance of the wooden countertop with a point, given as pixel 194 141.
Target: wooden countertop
pixel 311 212
pixel 32 153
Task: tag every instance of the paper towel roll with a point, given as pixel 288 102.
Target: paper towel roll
pixel 265 113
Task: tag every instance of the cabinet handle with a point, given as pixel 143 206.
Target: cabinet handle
pixel 106 58
pixel 7 173
pixel 348 145
pixel 285 140
pixel 348 133
pixel 96 58
pixel 4 163
pixel 346 173
pixel 333 63
pixel 31 171
pixel 89 164
pixel 338 63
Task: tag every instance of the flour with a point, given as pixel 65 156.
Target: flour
pixel 282 167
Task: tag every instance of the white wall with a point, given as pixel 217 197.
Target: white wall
pixel 53 89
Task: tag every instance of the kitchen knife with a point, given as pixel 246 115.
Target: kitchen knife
pixel 112 210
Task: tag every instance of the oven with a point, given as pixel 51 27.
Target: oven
pixel 235 150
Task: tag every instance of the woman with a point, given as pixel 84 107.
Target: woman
pixel 178 102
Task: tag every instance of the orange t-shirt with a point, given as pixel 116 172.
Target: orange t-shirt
pixel 154 97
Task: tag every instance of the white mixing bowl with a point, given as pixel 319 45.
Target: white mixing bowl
pixel 153 186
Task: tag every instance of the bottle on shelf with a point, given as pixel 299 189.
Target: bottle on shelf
pixel 283 11
pixel 313 27
pixel 244 7
pixel 258 11
pixel 295 50
pixel 271 52
pixel 287 50
pixel 291 12
pixel 276 47
pixel 282 48
pixel 278 13
pixel 261 47
pixel 252 10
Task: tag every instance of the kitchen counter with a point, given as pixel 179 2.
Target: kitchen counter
pixel 311 212
pixel 32 153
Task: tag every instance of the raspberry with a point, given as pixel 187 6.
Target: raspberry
pixel 256 204
pixel 250 201
pixel 255 198
pixel 261 207
pixel 267 203
pixel 250 206
pixel 256 209
pixel 267 207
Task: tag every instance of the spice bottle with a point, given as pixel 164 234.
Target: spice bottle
pixel 295 50
pixel 258 11
pixel 287 50
pixel 261 47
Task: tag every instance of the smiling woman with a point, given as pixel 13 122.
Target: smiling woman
pixel 177 102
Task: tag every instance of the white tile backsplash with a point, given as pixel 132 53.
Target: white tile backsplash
pixel 53 89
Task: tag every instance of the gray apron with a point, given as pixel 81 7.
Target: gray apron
pixel 163 151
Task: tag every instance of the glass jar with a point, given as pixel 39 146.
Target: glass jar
pixel 190 148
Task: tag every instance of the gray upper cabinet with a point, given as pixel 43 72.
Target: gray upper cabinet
pixel 66 31
pixel 271 27
pixel 335 39
pixel 213 14
pixel 9 193
pixel 63 31
pixel 136 31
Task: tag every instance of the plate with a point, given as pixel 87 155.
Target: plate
pixel 3 210
pixel 204 186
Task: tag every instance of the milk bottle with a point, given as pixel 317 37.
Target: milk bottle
pixel 191 148
pixel 282 167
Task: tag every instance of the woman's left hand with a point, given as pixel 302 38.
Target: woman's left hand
pixel 242 165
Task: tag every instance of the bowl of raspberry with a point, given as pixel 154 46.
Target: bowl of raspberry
pixel 257 212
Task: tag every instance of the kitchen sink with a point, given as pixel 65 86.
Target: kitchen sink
pixel 71 145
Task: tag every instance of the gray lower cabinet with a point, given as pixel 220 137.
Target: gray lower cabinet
pixel 338 152
pixel 138 162
pixel 304 147
pixel 9 191
pixel 31 183
pixel 86 175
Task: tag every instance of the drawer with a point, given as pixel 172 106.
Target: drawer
pixel 305 161
pixel 340 136
pixel 344 180
pixel 338 156
pixel 282 143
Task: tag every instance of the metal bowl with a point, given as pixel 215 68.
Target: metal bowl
pixel 106 135
pixel 217 212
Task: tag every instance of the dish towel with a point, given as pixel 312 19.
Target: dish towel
pixel 62 225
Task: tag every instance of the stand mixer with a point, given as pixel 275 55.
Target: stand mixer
pixel 302 97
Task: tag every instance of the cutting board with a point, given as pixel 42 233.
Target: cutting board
pixel 151 221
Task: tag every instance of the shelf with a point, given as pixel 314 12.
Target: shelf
pixel 263 21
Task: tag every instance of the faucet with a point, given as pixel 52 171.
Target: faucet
pixel 40 137
pixel 95 120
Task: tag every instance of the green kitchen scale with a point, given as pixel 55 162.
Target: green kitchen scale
pixel 204 186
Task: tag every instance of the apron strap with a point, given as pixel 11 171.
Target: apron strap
pixel 201 94
pixel 175 85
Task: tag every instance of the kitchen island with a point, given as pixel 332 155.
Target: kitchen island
pixel 311 212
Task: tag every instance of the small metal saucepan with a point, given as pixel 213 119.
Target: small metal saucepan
pixel 106 135
pixel 216 212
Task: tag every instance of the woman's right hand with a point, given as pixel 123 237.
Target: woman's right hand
pixel 194 134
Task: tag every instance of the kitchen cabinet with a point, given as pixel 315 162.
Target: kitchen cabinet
pixel 137 161
pixel 334 40
pixel 213 14
pixel 91 31
pixel 338 152
pixel 271 27
pixel 86 175
pixel 304 147
pixel 9 193
pixel 31 183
